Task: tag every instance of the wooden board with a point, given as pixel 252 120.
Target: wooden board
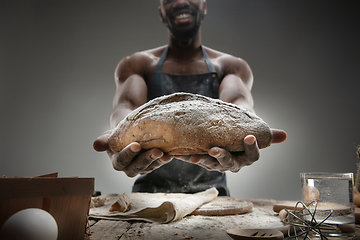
pixel 221 206
pixel 193 227
pixel 66 199
pixel 108 229
pixel 290 205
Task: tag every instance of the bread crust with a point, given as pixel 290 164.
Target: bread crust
pixel 188 124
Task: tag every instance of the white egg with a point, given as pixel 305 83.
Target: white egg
pixel 30 224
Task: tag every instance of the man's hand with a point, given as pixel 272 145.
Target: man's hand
pixel 132 160
pixel 218 159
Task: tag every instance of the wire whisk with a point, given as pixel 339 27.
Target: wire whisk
pixel 303 221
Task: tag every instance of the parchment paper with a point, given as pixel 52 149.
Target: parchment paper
pixel 155 207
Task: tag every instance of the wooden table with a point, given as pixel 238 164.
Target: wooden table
pixel 191 227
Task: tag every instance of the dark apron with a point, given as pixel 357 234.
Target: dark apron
pixel 178 176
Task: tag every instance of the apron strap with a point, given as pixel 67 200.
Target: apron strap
pixel 161 61
pixel 208 62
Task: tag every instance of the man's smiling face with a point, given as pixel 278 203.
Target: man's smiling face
pixel 182 17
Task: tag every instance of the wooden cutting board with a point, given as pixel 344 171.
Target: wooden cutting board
pixel 290 205
pixel 221 206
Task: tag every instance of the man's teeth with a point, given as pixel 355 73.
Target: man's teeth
pixel 182 16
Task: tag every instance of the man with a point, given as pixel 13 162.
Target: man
pixel 187 66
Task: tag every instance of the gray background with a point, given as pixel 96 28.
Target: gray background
pixel 58 58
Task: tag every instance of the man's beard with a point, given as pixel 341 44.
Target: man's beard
pixel 188 34
pixel 185 35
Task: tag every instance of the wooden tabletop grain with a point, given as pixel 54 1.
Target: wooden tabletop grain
pixel 190 227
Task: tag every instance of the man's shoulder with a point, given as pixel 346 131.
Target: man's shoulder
pixel 141 63
pixel 223 58
pixel 149 54
pixel 213 53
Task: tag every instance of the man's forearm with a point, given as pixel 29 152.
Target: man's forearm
pixel 117 115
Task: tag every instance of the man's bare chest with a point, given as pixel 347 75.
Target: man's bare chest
pixel 178 67
pixel 185 67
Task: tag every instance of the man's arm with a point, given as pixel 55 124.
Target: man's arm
pixel 235 88
pixel 131 92
pixel 131 89
pixel 237 83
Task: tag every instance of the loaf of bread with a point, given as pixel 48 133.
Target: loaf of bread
pixel 187 124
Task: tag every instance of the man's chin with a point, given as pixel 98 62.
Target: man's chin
pixel 184 36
